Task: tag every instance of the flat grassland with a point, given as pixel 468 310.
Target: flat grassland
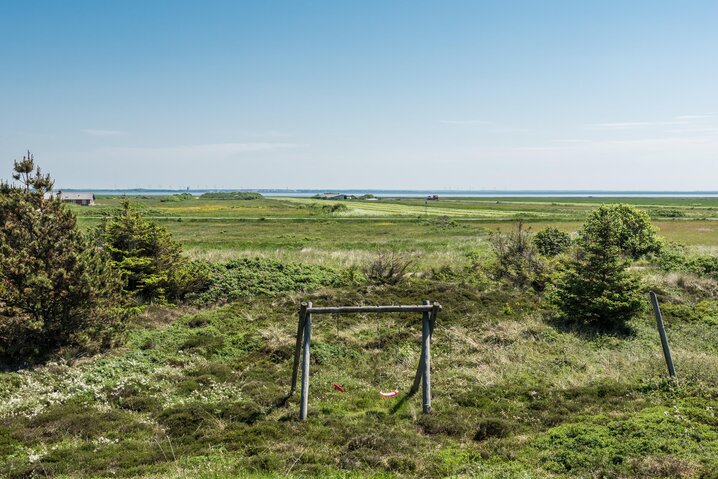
pixel 437 232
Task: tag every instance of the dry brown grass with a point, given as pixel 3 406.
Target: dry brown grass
pixel 666 466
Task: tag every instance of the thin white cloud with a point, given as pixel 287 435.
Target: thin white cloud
pixel 631 125
pixel 267 134
pixel 104 133
pixel 465 122
pixel 678 121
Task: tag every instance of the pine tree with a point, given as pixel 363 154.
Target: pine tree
pixel 151 262
pixel 597 289
pixel 55 287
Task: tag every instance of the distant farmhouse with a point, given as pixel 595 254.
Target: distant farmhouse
pixel 78 198
pixel 433 197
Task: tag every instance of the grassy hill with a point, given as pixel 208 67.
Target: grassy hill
pixel 201 394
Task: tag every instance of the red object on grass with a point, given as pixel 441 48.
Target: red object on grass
pixel 338 387
pixel 391 394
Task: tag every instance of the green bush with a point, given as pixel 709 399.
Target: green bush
pixel 552 241
pixel 702 311
pixel 631 230
pixel 252 276
pixel 176 198
pixel 232 195
pixel 56 288
pixel 676 257
pixel 150 261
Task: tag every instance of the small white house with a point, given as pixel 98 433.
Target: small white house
pixel 78 198
pixel 84 199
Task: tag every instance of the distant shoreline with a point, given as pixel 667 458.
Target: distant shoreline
pixel 414 193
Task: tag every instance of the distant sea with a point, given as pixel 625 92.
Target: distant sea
pixel 414 193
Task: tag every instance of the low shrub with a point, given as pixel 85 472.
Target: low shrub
pixel 335 208
pixel 176 198
pixel 676 257
pixel 702 311
pixel 517 259
pixel 187 420
pixel 493 427
pixel 254 276
pixel 551 241
pixel 601 444
pixel 389 267
pixel 666 213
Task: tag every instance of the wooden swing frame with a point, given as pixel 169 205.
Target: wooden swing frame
pixel 428 311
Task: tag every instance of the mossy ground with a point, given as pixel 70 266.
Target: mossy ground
pixel 202 394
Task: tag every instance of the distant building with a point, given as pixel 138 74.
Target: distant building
pixel 433 197
pixel 78 198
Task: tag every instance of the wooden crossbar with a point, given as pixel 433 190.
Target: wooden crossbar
pixel 428 312
pixel 419 308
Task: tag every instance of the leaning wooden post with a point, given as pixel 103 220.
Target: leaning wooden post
pixel 426 360
pixel 305 364
pixel 662 333
pixel 298 347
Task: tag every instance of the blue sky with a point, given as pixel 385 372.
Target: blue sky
pixel 373 94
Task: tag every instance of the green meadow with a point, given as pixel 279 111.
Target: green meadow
pixel 437 232
pixel 201 391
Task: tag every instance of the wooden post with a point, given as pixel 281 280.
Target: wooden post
pixel 435 307
pixel 426 360
pixel 305 364
pixel 662 333
pixel 298 346
pixel 419 373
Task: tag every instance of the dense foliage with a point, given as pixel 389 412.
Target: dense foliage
pixel 256 276
pixel 596 289
pixel 150 261
pixel 551 241
pixel 231 195
pixel 631 230
pixel 56 288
